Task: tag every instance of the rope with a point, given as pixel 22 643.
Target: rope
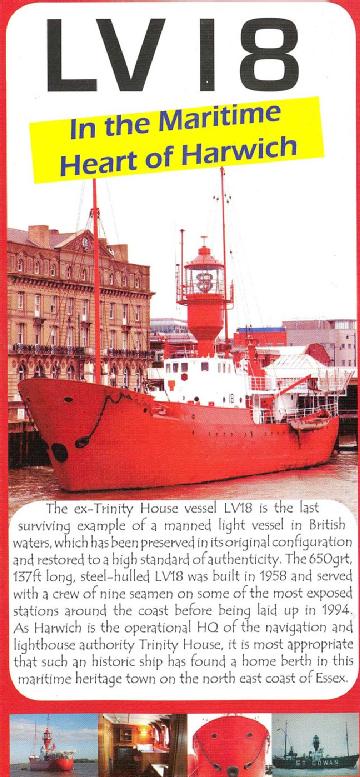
pixel 82 442
pixel 251 763
pixel 219 768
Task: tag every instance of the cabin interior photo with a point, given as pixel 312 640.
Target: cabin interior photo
pixel 142 745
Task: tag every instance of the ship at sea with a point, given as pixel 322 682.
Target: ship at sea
pixel 209 416
pixel 315 759
pixel 50 758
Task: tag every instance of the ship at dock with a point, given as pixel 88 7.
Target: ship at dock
pixel 203 417
pixel 316 759
pixel 50 758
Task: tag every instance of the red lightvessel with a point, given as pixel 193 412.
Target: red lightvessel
pixel 232 745
pixel 211 418
pixel 51 759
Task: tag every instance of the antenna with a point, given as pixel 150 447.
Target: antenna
pixel 95 215
pixel 182 263
pixel 222 174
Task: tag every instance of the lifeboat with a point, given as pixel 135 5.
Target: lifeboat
pixel 312 421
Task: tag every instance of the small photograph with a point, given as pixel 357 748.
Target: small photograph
pixel 142 745
pixel 54 743
pixel 229 744
pixel 327 744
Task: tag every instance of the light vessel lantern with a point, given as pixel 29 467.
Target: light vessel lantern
pixel 202 289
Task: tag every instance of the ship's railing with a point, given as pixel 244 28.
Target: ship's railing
pixel 300 412
pixel 325 382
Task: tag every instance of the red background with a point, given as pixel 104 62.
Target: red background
pixel 12 702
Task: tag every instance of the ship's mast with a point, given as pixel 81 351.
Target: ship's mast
pixel 182 263
pixel 226 324
pixel 95 215
pixel 347 738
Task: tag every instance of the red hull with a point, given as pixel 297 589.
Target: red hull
pixel 103 438
pixel 60 764
pixel 235 744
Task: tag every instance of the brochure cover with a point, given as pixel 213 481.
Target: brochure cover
pixel 179 428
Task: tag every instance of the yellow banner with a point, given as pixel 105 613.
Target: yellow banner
pixel 176 139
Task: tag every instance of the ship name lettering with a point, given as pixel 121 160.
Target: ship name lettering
pixel 136 81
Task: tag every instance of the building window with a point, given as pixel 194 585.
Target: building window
pixel 20 300
pixel 53 305
pixel 20 264
pixel 53 336
pixel 39 371
pixel 85 308
pixel 37 305
pixel 111 279
pixel 37 268
pixel 138 313
pixel 112 310
pixel 124 279
pixel 113 373
pixel 138 343
pixel 70 337
pixel 204 366
pixel 125 314
pixel 21 333
pixel 52 270
pixel 85 243
pixel 55 370
pixel 184 367
pixel 70 372
pixel 37 335
pixel 126 377
pixel 112 338
pixel 70 306
pixel 22 371
pixel 68 271
pixel 138 380
pixel 137 282
pixel 85 336
pixel 125 341
pixel 175 367
pixel 83 274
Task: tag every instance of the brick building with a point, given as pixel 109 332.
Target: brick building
pixel 51 309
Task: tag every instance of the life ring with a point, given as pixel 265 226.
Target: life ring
pixel 184 376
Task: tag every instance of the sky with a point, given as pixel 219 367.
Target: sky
pixel 330 729
pixel 73 732
pixel 290 225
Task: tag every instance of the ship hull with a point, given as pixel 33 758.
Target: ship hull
pixel 58 764
pixel 236 744
pixel 340 762
pixel 104 438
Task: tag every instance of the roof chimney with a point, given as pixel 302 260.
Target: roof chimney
pixel 39 235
